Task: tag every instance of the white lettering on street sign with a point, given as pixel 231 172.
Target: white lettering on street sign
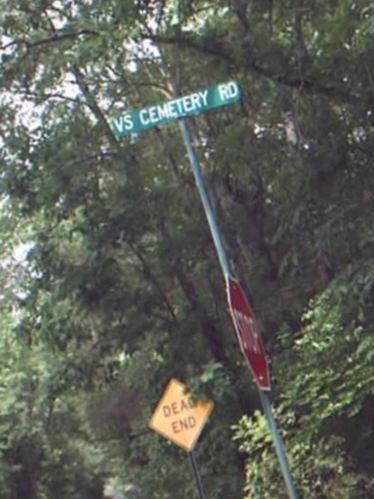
pixel 158 114
pixel 247 323
pixel 248 335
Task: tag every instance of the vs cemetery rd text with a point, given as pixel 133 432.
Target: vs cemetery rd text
pixel 194 103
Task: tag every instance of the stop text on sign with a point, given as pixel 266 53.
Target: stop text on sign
pixel 178 418
pixel 248 335
pixel 158 114
pixel 251 342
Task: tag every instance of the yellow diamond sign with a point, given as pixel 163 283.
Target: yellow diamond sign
pixel 179 419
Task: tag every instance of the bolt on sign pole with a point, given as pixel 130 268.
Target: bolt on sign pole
pixel 248 335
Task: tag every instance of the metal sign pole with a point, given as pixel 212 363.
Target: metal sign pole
pixel 282 458
pixel 226 272
pixel 195 165
pixel 196 474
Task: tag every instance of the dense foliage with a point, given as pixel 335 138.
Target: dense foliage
pixel 109 280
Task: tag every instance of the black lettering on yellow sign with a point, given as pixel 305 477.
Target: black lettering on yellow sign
pixel 183 424
pixel 177 407
pixel 178 418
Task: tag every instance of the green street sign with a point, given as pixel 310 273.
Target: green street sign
pixel 179 107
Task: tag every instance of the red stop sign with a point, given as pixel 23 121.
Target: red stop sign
pixel 248 335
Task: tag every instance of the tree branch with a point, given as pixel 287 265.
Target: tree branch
pixel 50 40
pixel 91 101
pixel 215 49
pixel 151 276
pixel 53 95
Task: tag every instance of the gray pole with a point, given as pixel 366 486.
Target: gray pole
pixel 196 474
pixel 282 458
pixel 204 198
pixel 226 272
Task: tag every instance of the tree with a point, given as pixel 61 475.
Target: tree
pixel 123 289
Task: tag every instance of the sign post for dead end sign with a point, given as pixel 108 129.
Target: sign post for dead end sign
pixel 243 318
pixel 181 421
